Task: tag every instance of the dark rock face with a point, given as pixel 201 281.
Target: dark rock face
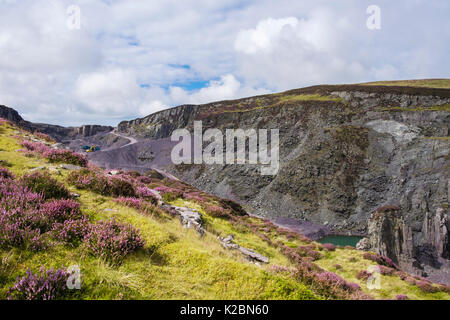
pixel 340 160
pixel 426 250
pixel 70 133
pixel 57 132
pixel 10 114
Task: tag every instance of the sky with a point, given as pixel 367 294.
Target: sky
pixel 100 62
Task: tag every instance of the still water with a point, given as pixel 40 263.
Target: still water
pixel 341 240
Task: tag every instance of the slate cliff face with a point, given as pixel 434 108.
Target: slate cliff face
pixel 58 132
pixel 344 152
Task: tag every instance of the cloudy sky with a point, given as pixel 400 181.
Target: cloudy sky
pixel 126 59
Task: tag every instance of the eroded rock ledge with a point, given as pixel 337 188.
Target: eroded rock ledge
pixel 249 254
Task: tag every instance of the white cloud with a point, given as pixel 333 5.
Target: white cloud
pixel 262 38
pixel 108 91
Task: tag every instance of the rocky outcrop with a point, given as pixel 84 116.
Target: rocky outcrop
pixel 10 115
pixel 390 236
pixel 69 133
pixel 190 218
pixel 249 254
pixel 436 235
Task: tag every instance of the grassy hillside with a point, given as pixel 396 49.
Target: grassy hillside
pixel 424 83
pixel 162 260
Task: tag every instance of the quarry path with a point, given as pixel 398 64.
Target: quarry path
pixel 131 139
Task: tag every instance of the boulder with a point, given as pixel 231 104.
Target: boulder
pixel 249 254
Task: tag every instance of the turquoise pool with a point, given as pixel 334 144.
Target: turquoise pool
pixel 341 240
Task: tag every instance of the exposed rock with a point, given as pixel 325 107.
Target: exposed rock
pixel 249 254
pixel 74 195
pixel 363 244
pixel 10 114
pixel 436 232
pixel 190 218
pixel 253 256
pixel 69 166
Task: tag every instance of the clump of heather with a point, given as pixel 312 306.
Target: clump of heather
pixel 89 179
pixel 120 186
pixel 386 271
pixel 42 182
pixel 61 210
pixel 112 240
pixel 65 156
pixel 426 287
pixel 55 155
pixel 401 297
pixel 144 180
pixel 71 231
pixel 169 194
pixel 329 246
pixel 146 193
pixel 43 136
pixel 5 174
pixel 384 261
pixel 328 284
pixel 35 147
pixel 216 211
pixel 45 285
pixel 26 218
pixel 363 275
pixel 4 122
pixel 281 269
pixel 142 205
pixel 98 182
pixel 308 251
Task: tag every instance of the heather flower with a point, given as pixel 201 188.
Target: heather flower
pixel 363 275
pixel 99 182
pixel 45 285
pixel 26 219
pixel 112 240
pixel 71 231
pixel 42 182
pixel 216 211
pixel 329 246
pixel 401 297
pixel 55 155
pixel 5 174
pixel 61 210
pixel 426 287
pixel 141 205
pixel 65 156
pixel 43 136
pixel 385 261
pixel 145 192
